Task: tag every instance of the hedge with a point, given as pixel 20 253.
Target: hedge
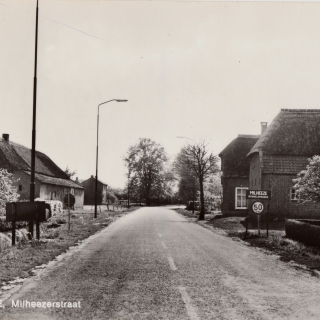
pixel 306 231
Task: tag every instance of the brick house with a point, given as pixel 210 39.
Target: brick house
pixel 51 183
pixel 89 186
pixel 235 169
pixel 280 153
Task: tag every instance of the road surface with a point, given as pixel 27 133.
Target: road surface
pixel 154 264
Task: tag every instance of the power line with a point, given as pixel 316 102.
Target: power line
pixel 61 23
pixel 88 34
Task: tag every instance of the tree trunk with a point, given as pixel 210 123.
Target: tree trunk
pixel 201 215
pixel 147 201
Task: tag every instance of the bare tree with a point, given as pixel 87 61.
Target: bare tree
pixel 203 164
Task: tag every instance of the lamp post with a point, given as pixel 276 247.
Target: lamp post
pixel 96 186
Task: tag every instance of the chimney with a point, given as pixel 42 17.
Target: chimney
pixel 91 176
pixel 263 127
pixel 5 136
pixel 77 180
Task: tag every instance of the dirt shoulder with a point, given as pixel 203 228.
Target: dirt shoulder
pixel 55 238
pixel 293 252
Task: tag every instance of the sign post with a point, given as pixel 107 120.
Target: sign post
pixel 258 206
pixel 25 211
pixel 69 201
pixel 13 224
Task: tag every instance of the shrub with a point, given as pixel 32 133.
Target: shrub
pixel 8 192
pixel 306 232
pixel 311 221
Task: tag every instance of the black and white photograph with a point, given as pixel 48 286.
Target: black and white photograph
pixel 159 160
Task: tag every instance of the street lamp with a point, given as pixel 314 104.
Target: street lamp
pixel 96 186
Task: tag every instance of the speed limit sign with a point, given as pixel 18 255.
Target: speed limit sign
pixel 257 207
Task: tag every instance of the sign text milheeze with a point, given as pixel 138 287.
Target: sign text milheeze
pixel 258 194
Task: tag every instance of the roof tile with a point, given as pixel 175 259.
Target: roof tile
pixel 284 164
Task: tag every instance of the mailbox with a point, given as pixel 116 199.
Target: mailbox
pixel 27 211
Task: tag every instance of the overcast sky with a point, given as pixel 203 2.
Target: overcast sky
pixel 203 70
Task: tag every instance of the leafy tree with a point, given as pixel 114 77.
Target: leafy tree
pixel 147 169
pixel 134 189
pixel 69 172
pixel 118 193
pixel 212 191
pixel 202 164
pixel 307 183
pixel 188 185
pixel 8 192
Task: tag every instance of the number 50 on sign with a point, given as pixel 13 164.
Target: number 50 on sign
pixel 257 207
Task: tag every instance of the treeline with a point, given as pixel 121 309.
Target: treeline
pixel 154 179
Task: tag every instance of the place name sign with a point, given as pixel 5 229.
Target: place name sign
pixel 258 194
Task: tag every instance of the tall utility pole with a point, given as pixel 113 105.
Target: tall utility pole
pixel 33 150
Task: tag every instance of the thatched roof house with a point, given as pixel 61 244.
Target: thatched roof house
pixel 51 182
pixel 294 132
pixel 235 173
pixel 234 162
pixel 280 153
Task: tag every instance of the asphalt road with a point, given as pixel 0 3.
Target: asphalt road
pixel 154 264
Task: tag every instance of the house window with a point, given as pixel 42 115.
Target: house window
pixel 20 187
pixel 293 195
pixel 72 191
pixel 241 201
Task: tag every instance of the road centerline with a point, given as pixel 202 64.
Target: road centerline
pixel 172 264
pixel 187 301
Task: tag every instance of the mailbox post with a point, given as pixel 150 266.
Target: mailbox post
pixel 25 211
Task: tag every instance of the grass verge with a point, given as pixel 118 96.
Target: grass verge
pixel 294 252
pixel 55 238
